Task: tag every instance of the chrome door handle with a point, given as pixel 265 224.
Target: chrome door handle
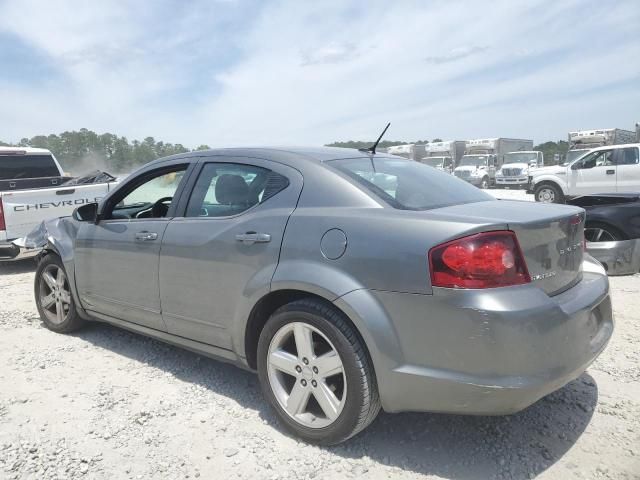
pixel 250 238
pixel 146 236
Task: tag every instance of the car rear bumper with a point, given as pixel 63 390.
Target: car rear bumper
pixel 619 258
pixel 489 352
pixel 15 250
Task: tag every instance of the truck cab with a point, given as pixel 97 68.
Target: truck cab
pixel 441 163
pixel 609 169
pixel 34 188
pixel 477 169
pixel 516 167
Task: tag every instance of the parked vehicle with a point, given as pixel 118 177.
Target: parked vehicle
pixel 609 169
pixel 33 188
pixel 612 230
pixel 483 157
pixel 443 155
pixel 264 258
pixel 516 168
pixel 580 142
pixel 412 151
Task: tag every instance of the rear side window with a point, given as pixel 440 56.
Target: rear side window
pixel 13 167
pixel 409 185
pixel 628 156
pixel 225 189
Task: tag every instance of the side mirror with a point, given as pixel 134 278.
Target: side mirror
pixel 86 213
pixel 576 166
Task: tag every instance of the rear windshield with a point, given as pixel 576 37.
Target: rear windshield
pixel 14 167
pixel 409 185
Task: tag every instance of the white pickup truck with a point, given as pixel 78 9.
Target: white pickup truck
pixel 610 169
pixel 33 188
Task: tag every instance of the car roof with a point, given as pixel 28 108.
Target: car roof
pixel 281 154
pixel 609 147
pixel 29 150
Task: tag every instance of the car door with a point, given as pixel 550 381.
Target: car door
pixel 117 258
pixel 628 170
pixel 225 247
pixel 593 173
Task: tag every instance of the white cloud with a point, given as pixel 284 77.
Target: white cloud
pixel 309 73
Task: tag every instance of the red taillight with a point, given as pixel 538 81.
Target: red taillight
pixel 3 226
pixel 483 260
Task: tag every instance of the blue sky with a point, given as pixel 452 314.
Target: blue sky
pixel 229 73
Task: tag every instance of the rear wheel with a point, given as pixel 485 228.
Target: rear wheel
pixel 601 232
pixel 548 193
pixel 316 373
pixel 53 296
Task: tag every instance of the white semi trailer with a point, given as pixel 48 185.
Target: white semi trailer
pixel 412 151
pixel 443 155
pixel 483 157
pixel 581 141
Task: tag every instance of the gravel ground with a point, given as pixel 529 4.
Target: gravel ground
pixel 105 403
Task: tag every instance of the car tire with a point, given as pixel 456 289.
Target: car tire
pixel 354 394
pixel 548 193
pixel 54 299
pixel 485 183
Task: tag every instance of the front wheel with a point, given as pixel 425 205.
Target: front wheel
pixel 53 296
pixel 548 193
pixel 484 184
pixel 316 373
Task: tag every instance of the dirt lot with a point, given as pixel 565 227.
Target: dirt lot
pixel 105 403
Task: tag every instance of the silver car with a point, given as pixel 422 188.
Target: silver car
pixel 350 281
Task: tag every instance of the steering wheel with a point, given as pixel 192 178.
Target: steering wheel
pixel 161 208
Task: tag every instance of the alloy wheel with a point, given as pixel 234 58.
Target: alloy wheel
pixel 306 375
pixel 597 234
pixel 55 295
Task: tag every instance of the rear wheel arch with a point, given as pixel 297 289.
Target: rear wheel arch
pixel 269 304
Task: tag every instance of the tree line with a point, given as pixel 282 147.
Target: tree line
pixel 83 150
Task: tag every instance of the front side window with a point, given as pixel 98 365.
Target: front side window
pixel 225 189
pixel 602 158
pixel 408 185
pixel 152 198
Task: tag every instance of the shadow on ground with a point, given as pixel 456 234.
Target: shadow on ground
pixel 20 266
pixel 450 446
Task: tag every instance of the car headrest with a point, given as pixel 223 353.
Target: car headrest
pixel 231 190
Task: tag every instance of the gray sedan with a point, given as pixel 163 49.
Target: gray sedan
pixel 350 281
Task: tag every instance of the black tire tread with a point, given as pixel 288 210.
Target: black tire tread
pixel 559 198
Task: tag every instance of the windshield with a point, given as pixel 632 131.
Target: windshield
pixel 433 161
pixel 473 160
pixel 519 157
pixel 408 185
pixel 574 155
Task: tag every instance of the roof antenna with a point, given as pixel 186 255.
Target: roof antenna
pixel 373 147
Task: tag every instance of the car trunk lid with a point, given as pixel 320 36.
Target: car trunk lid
pixel 550 236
